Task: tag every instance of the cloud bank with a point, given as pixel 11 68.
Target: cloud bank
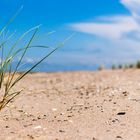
pixel 115 27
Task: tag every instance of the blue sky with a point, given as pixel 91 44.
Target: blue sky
pixel 107 31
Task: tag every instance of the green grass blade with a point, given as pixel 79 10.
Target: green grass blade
pixel 10 21
pixel 5 41
pixel 22 49
pixel 6 101
pixel 24 74
pixel 24 54
pixel 25 50
pixel 20 38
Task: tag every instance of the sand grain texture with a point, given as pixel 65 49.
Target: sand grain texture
pixel 75 106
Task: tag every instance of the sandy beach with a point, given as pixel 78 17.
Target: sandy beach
pixel 102 105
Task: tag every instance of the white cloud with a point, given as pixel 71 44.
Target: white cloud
pixel 133 6
pixel 111 27
pixel 114 27
pixel 29 60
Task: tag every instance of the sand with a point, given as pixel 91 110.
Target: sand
pixel 101 105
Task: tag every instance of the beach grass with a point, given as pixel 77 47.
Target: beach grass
pixel 8 76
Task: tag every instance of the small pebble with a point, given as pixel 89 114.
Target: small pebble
pixel 121 113
pixel 38 127
pixel 119 137
pixel 54 109
pixel 61 131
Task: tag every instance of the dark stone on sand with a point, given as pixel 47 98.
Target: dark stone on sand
pixel 121 113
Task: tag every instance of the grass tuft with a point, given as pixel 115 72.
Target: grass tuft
pixel 9 77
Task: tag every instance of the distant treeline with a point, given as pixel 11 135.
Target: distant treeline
pixel 123 66
pixel 126 66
